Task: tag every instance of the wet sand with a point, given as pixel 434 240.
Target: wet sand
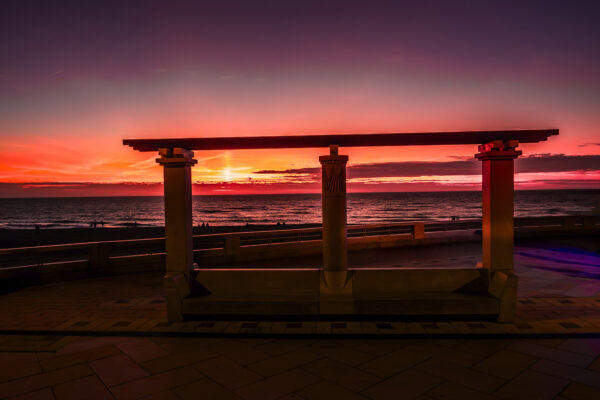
pixel 28 237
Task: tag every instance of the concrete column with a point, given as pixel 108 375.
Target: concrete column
pixel 498 203
pixel 497 222
pixel 177 165
pixel 335 248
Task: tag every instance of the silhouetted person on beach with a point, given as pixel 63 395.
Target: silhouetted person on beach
pixel 95 224
pixel 102 224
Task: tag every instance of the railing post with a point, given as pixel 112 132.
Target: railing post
pixel 232 245
pixel 588 222
pixel 418 229
pixel 98 256
pixel 569 223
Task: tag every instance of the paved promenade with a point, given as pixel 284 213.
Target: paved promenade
pixel 108 338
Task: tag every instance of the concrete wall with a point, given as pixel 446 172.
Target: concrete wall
pixel 100 263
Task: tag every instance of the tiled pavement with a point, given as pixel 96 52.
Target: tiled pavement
pixel 71 367
pixel 108 338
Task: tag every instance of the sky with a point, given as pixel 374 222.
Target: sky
pixel 78 77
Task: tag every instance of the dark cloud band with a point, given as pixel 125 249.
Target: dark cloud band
pixel 530 164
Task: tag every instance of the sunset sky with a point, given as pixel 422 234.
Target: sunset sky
pixel 78 77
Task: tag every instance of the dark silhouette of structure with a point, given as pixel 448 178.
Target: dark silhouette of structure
pixel 334 290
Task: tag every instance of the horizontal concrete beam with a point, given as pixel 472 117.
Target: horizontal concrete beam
pixel 343 140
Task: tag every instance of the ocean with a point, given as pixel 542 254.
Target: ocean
pixel 363 208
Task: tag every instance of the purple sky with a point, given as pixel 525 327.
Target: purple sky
pixel 77 77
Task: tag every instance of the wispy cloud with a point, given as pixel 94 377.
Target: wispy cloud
pixel 57 72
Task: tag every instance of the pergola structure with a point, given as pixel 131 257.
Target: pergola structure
pixel 335 290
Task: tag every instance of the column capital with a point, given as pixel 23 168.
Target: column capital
pixel 176 157
pixel 333 157
pixel 499 150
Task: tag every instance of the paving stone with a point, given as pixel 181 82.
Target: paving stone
pixel 482 347
pixel 242 353
pixel 65 360
pixel 174 345
pixel 406 385
pixel 284 362
pixel 166 395
pixel 44 394
pixel 453 391
pixel 578 391
pixel 277 386
pixel 463 376
pixel 443 342
pixel 88 388
pixel 204 389
pixel 155 383
pixel 565 357
pixel 505 364
pixel 382 346
pixel 85 343
pixel 140 350
pixel 117 369
pixel 282 346
pixel 442 353
pixel 324 390
pixel 39 381
pixel 590 347
pixel 554 343
pixel 394 362
pixel 575 374
pixel 192 356
pixel 595 365
pixel 341 374
pixel 291 396
pixel 333 350
pixel 227 373
pixel 532 385
pixel 18 365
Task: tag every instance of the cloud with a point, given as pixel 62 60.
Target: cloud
pixel 294 171
pixel 52 185
pixel 76 189
pixel 529 164
pixel 557 163
pixel 58 72
pixel 413 168
pixel 588 144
